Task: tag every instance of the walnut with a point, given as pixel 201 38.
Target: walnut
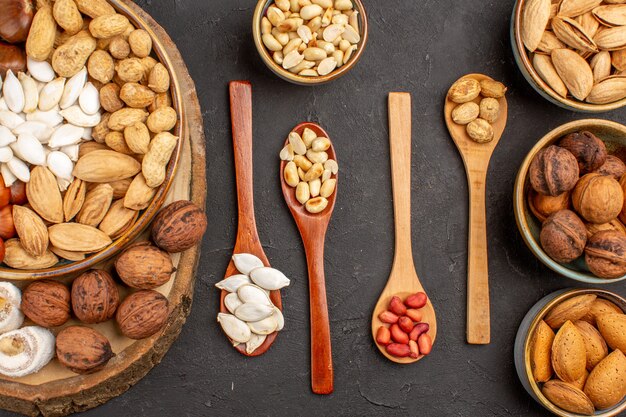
pixel 615 224
pixel 613 167
pixel 563 236
pixel 606 254
pixel 47 303
pixel 542 206
pixel 94 296
pixel 178 226
pixel 82 349
pixel 144 266
pixel 587 148
pixel 598 198
pixel 142 314
pixel 553 171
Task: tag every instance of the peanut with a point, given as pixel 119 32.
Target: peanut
pixel 159 80
pixel 398 335
pixel 162 119
pixel 155 162
pixel 130 70
pixel 136 95
pixel 137 137
pixel 398 350
pixel 396 306
pixel 110 98
pixel 126 117
pixel 70 57
pixel 119 47
pixel 101 66
pixel 406 324
pixel 140 43
pixel 383 336
pixel 95 8
pixel 67 16
pixel 107 26
pixel 417 300
pixel 40 41
pixel 418 330
pixel 388 317
pixel 425 344
pixel 115 140
pixel 415 352
pixel 414 315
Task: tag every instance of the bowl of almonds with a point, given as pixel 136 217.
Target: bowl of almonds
pixel 573 52
pixel 91 125
pixel 312 41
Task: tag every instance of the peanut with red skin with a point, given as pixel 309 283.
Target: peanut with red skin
pixel 406 324
pixel 396 306
pixel 414 315
pixel 398 350
pixel 398 335
pixel 415 352
pixel 388 317
pixel 417 300
pixel 418 330
pixel 383 336
pixel 425 344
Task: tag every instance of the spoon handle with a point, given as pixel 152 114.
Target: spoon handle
pixel 400 146
pixel 241 121
pixel 478 321
pixel 321 351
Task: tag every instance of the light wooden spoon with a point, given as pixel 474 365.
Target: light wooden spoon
pixel 247 236
pixel 312 228
pixel 403 279
pixel 476 157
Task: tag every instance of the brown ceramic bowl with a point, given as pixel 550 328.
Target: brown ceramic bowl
pixel 524 62
pixel 260 11
pixel 145 217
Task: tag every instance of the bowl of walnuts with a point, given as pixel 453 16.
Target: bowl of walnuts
pixel 569 200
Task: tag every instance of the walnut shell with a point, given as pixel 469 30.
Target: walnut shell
pixel 144 266
pixel 593 228
pixel 606 254
pixel 47 303
pixel 82 349
pixel 590 152
pixel 542 206
pixel 613 167
pixel 178 226
pixel 553 171
pixel 142 314
pixel 598 198
pixel 563 236
pixel 95 296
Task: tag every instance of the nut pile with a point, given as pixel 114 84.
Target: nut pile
pixel 309 170
pixel 94 297
pixel 311 37
pixel 407 335
pixel 88 174
pixel 581 368
pixel 578 47
pixel 253 315
pixel 478 106
pixel 579 174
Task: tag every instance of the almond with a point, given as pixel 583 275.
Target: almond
pixel 571 309
pixel 16 257
pixel 613 329
pixel 31 230
pixel 105 166
pixel 44 195
pixel 541 352
pixel 611 39
pixel 535 18
pixel 118 219
pixel 139 194
pixel 96 206
pixel 126 117
pixel 598 307
pixel 595 346
pixel 544 67
pixel 573 8
pixel 606 385
pixel 608 90
pixel 574 71
pixel 567 397
pixel 573 34
pixel 74 198
pixel 569 357
pixel 76 237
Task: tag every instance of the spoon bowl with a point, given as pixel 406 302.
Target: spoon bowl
pixel 476 157
pixel 312 229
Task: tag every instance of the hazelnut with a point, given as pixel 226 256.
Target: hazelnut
pixel 178 226
pixel 587 148
pixel 142 314
pixel 606 254
pixel 82 349
pixel 542 206
pixel 620 152
pixel 94 296
pixel 563 236
pixel 144 266
pixel 615 225
pixel 47 303
pixel 598 198
pixel 622 183
pixel 553 171
pixel 613 167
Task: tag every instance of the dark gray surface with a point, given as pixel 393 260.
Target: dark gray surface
pixel 415 46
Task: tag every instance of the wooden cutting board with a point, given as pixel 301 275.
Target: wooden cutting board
pixel 56 391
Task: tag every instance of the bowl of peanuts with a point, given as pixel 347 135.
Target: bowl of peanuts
pixel 310 42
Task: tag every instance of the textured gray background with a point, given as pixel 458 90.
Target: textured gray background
pixel 416 46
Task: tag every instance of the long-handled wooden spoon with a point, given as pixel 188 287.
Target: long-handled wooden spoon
pixel 312 228
pixel 403 279
pixel 247 235
pixel 476 157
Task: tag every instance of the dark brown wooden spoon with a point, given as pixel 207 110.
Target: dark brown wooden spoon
pixel 312 228
pixel 247 235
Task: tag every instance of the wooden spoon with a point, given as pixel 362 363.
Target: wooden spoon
pixel 403 280
pixel 312 228
pixel 247 235
pixel 476 158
